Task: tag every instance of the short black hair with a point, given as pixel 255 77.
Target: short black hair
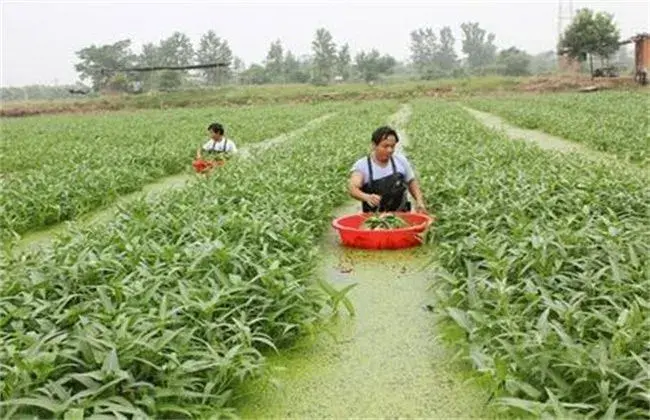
pixel 216 128
pixel 382 132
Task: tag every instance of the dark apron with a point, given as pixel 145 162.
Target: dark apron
pixel 391 188
pixel 213 152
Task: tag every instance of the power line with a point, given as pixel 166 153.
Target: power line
pixel 154 68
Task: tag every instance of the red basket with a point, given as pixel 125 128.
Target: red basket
pixel 201 165
pixel 351 234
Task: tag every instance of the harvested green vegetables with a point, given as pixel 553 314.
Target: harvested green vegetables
pixel 384 222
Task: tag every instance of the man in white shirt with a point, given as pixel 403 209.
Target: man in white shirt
pixel 381 179
pixel 217 143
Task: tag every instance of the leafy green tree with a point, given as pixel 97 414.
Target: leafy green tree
pixel 177 50
pixel 370 65
pixel 590 34
pixel 343 62
pixel 213 49
pixel 99 63
pixel 424 49
pixel 238 64
pixel 433 56
pixel 170 80
pixel 296 71
pixel 514 62
pixel 324 60
pixel 256 75
pixel 118 83
pixel 445 56
pixel 238 67
pixel 149 57
pixel 275 63
pixel 479 47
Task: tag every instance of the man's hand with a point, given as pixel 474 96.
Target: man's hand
pixel 420 207
pixel 373 199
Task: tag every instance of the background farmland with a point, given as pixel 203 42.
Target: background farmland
pixel 133 287
pixel 538 258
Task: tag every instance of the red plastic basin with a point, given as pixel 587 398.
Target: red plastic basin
pixel 353 236
pixel 201 165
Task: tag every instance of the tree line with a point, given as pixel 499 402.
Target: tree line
pixel 432 56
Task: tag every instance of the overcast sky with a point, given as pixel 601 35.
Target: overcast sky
pixel 39 38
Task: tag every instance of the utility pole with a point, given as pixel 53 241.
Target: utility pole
pixel 564 16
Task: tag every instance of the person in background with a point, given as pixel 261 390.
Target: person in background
pixel 218 143
pixel 381 179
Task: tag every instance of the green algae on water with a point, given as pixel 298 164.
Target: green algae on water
pixel 383 362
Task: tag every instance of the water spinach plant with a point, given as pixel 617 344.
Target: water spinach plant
pixel 613 122
pixel 60 167
pixel 163 311
pixel 541 267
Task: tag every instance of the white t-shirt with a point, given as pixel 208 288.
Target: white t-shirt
pixel 401 165
pixel 225 145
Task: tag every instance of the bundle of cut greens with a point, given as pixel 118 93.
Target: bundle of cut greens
pixel 384 221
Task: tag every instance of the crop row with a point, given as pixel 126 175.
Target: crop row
pixel 166 309
pixel 542 266
pixel 58 168
pixel 611 122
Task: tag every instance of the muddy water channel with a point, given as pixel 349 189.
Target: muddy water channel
pixel 383 361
